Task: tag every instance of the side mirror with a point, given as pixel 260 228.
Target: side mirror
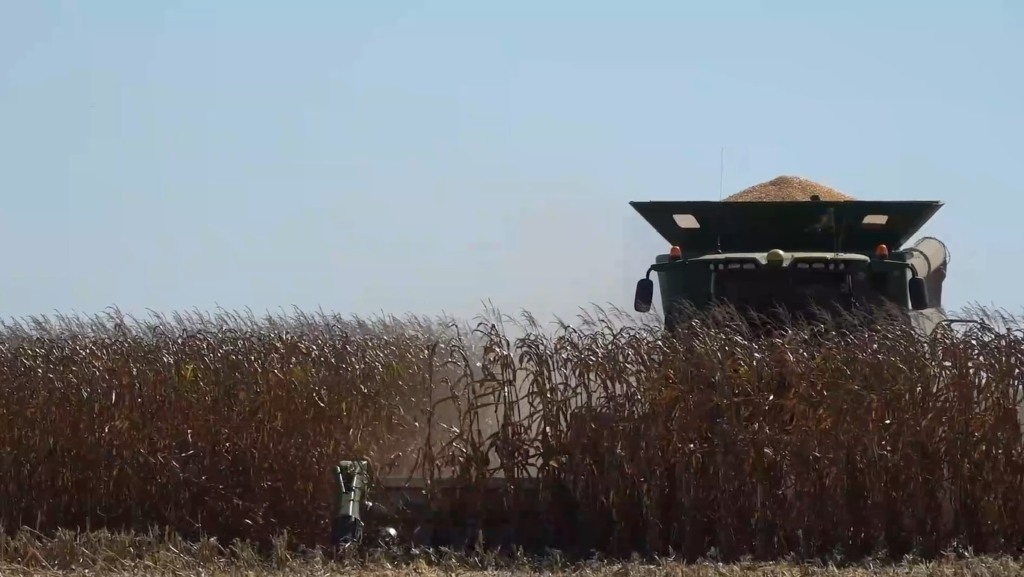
pixel 918 294
pixel 644 295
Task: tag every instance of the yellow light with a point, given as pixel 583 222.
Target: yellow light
pixel 675 253
pixel 775 256
pixel 882 251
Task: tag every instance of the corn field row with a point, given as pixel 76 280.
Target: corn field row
pixel 855 438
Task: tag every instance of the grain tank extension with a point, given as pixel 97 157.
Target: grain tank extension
pixel 797 254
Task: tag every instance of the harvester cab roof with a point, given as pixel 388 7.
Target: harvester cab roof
pixel 721 248
pixel 850 226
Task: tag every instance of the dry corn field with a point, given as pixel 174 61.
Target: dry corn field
pixel 817 441
pixel 103 554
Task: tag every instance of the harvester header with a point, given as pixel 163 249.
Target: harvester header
pixel 859 226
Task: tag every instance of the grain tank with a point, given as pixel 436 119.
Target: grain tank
pixel 799 255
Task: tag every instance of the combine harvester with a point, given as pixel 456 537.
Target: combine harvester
pixel 798 254
pixel 757 255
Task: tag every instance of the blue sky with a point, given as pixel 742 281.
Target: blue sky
pixel 424 157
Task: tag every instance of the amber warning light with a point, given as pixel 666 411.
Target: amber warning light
pixel 675 253
pixel 882 251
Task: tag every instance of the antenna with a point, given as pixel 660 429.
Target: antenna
pixel 721 173
pixel 721 181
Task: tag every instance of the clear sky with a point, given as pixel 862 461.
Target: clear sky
pixel 423 157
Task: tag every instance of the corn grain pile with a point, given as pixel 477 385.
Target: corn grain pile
pixel 785 188
pixel 810 442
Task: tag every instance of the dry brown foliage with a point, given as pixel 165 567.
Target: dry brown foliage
pixel 813 441
pixel 105 554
